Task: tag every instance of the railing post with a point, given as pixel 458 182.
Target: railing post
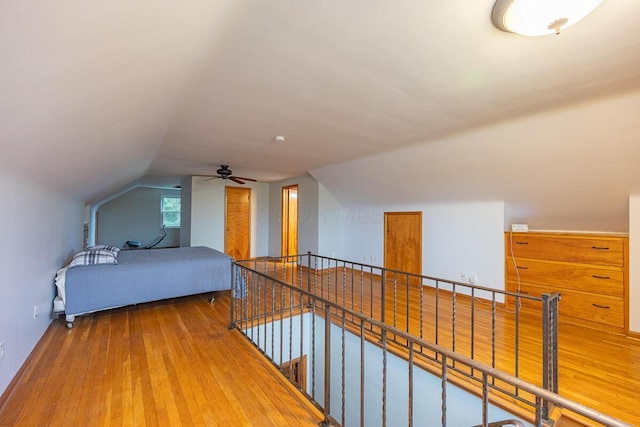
pixel 309 277
pixel 327 364
pixel 382 293
pixel 554 340
pixel 232 320
pixel 549 346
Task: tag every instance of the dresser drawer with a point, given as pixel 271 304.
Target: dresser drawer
pixel 559 276
pixel 587 250
pixel 594 308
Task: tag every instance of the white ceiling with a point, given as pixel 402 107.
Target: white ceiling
pixel 96 94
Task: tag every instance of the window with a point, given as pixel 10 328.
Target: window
pixel 170 208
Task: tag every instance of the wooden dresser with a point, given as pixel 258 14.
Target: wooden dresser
pixel 589 270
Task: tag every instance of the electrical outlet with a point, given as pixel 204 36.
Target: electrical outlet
pixel 35 311
pixel 1 350
pixel 473 278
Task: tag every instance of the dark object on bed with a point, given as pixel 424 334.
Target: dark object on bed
pixel 143 276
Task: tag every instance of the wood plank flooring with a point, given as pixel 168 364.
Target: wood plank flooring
pixel 173 362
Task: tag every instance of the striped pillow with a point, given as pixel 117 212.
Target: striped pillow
pixel 93 257
pixel 109 248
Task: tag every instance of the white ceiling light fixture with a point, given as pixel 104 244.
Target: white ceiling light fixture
pixel 540 17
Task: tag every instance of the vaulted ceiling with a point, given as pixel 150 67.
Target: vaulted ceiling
pixel 97 94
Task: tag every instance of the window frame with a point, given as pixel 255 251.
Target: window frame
pixel 163 211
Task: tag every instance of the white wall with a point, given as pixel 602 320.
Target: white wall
pixel 41 230
pixel 330 227
pixel 634 263
pixel 136 215
pixel 207 214
pixel 457 237
pixel 297 339
pixel 308 200
pixel 463 408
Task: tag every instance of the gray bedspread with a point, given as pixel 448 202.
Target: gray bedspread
pixel 146 275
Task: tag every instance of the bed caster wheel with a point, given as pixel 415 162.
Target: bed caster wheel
pixel 69 325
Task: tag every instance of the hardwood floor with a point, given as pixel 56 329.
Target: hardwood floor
pixel 176 363
pixel 173 362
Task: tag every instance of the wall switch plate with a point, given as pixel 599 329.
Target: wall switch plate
pixel 35 311
pixel 519 228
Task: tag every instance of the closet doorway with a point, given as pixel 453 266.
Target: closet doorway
pixel 237 228
pixel 290 220
pixel 403 241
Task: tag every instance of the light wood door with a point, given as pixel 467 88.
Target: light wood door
pixel 237 222
pixel 290 220
pixel 403 241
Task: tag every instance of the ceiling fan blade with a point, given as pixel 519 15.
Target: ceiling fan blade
pixel 211 177
pixel 235 179
pixel 246 179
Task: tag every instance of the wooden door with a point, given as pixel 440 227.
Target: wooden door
pixel 403 241
pixel 237 222
pixel 290 220
pixel 296 370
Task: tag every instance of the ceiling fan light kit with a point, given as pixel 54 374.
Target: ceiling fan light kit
pixel 540 17
pixel 225 173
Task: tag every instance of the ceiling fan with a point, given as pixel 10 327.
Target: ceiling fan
pixel 225 173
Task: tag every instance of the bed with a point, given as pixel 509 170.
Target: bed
pixel 138 276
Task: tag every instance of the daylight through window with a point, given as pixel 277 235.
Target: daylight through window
pixel 171 211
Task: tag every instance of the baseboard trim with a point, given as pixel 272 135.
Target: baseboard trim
pixel 633 335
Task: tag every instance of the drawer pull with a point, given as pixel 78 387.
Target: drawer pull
pixel 601 277
pixel 600 306
pixel 599 248
pixel 522 267
pixel 522 243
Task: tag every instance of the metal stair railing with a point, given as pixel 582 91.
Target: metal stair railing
pixel 279 318
pixel 445 312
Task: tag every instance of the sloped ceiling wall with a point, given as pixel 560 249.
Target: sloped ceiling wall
pixel 89 89
pixel 565 169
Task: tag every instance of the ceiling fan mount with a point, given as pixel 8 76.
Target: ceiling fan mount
pixel 225 173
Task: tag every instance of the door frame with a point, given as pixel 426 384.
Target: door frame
pixel 285 219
